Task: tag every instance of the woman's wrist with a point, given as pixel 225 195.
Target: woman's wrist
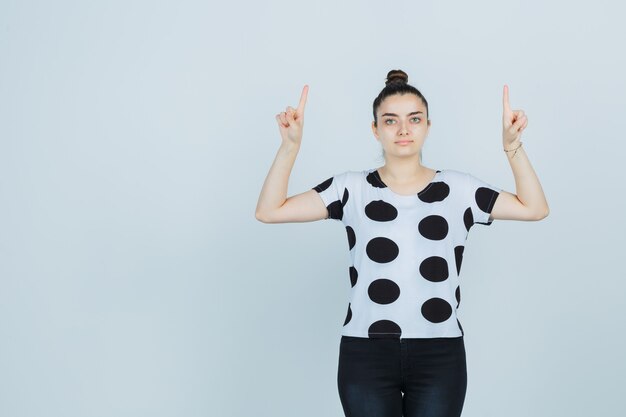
pixel 290 146
pixel 512 148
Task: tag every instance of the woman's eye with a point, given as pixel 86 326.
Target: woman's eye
pixel 413 118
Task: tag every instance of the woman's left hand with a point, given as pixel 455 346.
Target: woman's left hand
pixel 513 121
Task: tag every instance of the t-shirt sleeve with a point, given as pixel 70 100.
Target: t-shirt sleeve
pixel 481 198
pixel 334 194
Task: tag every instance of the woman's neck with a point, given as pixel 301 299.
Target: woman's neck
pixel 404 172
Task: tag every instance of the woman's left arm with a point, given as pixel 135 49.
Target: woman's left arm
pixel 530 202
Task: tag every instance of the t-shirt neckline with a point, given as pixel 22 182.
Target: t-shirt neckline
pixel 432 181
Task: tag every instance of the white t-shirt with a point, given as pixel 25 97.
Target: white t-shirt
pixel 406 250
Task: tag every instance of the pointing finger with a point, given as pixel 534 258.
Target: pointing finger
pixel 505 99
pixel 303 96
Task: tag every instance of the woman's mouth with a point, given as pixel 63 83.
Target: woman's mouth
pixel 403 142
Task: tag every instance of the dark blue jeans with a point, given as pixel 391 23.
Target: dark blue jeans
pixel 374 373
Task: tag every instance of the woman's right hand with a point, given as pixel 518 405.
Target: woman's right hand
pixel 291 121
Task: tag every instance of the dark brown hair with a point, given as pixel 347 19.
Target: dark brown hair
pixel 397 83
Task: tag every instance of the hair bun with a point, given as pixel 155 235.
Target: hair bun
pixel 397 76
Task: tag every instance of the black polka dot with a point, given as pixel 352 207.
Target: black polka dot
pixel 346 196
pixel 351 237
pixel 348 315
pixel 335 210
pixel 458 257
pixel 323 185
pixel 381 211
pixel 457 295
pixel 436 310
pixel 485 198
pixel 437 191
pixel 468 218
pixel 434 268
pixel 433 227
pixel 353 275
pixel 374 180
pixel 384 329
pixel 382 249
pixel 383 291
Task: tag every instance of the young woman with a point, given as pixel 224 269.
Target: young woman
pixel 401 351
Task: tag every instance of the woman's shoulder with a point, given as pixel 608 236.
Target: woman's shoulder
pixel 354 174
pixel 448 174
pixel 452 172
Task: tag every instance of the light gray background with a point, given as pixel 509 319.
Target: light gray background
pixel 136 136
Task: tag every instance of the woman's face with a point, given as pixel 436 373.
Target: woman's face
pixel 402 125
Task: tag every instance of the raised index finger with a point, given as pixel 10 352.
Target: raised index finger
pixel 305 92
pixel 505 98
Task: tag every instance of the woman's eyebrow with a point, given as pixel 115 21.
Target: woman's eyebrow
pixel 393 114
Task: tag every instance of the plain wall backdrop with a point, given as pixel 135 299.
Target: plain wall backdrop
pixel 135 137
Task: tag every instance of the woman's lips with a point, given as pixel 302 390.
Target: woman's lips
pixel 403 142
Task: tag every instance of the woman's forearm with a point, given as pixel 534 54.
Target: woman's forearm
pixel 274 191
pixel 527 185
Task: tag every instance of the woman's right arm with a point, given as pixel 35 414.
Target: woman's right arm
pixel 274 206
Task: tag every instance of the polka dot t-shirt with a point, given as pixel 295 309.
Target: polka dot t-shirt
pixel 406 250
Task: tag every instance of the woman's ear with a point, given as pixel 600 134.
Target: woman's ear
pixel 374 130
